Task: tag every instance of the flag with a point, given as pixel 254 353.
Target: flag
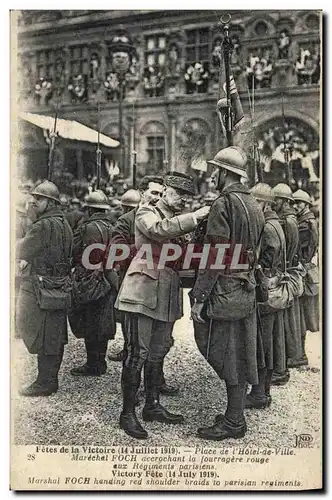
pixel 236 106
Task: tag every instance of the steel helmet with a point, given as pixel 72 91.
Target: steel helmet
pixel 232 158
pixel 301 195
pixel 282 191
pixel 97 199
pixel 131 198
pixel 262 192
pixel 47 189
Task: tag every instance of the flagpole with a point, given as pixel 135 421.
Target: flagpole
pixel 98 151
pixel 227 48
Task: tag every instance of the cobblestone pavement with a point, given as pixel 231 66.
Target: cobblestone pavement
pixel 86 410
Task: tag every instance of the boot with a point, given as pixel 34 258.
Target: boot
pixel 47 379
pixel 131 378
pixel 268 378
pixel 153 410
pixel 280 378
pixel 166 390
pixel 220 418
pixel 119 356
pixel 233 425
pixel 102 356
pixel 92 366
pixel 36 390
pixel 296 363
pixel 219 432
pixel 257 398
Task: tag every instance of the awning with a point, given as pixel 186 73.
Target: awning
pixel 69 129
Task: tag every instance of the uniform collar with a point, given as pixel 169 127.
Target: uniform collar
pixel 270 214
pixel 237 187
pixel 99 216
pixel 304 215
pixel 53 212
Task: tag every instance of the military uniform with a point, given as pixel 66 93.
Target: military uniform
pixel 292 318
pixel 230 345
pixel 47 248
pixel 271 323
pixel 308 243
pixel 153 302
pixel 94 320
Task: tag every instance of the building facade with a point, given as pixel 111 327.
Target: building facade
pixel 171 87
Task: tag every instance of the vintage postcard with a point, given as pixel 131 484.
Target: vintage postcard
pixel 166 328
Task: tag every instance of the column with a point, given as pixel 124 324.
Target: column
pixel 171 139
pixel 131 135
pixel 79 161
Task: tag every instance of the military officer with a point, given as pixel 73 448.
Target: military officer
pixel 94 319
pixel 271 324
pixel 224 310
pixel 151 188
pixel 46 254
pixel 152 298
pixel 308 244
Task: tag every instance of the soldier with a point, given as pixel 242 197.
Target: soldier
pixel 287 215
pixel 271 324
pixel 130 200
pixel 75 216
pixel 151 188
pixel 93 318
pixel 22 226
pixel 152 299
pixel 224 310
pixel 308 243
pixel 46 252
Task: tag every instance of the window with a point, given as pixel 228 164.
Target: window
pixel 261 28
pixel 312 21
pixel 45 63
pixel 156 152
pixel 155 46
pixel 198 45
pixel 79 58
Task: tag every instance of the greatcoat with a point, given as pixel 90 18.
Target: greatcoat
pixel 273 261
pixel 308 244
pixel 47 247
pixel 292 317
pixel 94 320
pixel 231 346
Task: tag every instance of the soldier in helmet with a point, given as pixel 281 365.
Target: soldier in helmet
pixel 152 299
pixel 271 325
pixel 94 319
pixel 224 309
pixel 130 200
pixel 284 207
pixel 308 244
pixel 46 248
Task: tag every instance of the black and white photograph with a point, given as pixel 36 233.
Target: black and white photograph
pixel 166 268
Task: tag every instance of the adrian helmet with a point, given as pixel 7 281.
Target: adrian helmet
pixel 47 189
pixel 97 199
pixel 281 190
pixel 131 198
pixel 262 192
pixel 231 158
pixel 301 195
